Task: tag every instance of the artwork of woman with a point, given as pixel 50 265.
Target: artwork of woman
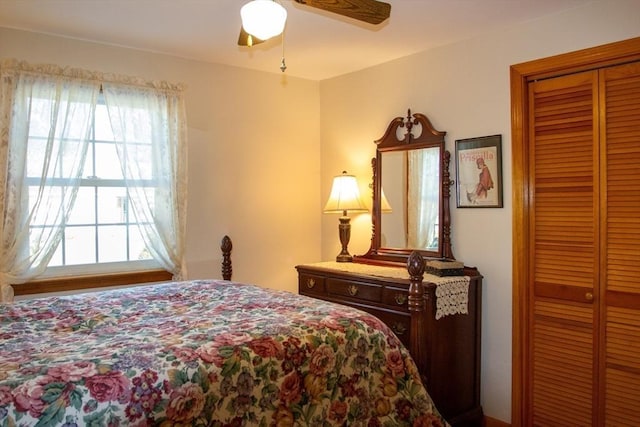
pixel 485 182
pixel 483 155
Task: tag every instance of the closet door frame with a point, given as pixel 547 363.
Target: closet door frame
pixel 521 74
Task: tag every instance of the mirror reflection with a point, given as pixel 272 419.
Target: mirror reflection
pixel 410 183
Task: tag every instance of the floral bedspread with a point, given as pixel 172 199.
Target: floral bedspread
pixel 203 352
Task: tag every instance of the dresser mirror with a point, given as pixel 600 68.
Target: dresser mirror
pixel 411 192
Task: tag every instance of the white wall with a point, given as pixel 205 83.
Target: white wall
pixel 254 145
pixel 464 90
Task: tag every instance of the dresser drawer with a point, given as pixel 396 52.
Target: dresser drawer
pixel 311 284
pixel 358 290
pixel 396 298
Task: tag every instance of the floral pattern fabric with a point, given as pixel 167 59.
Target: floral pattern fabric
pixel 203 352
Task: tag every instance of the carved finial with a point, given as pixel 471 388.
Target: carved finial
pixel 416 265
pixel 409 124
pixel 226 246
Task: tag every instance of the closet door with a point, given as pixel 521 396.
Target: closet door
pixel 576 238
pixel 620 244
pixel 564 252
pixel 584 311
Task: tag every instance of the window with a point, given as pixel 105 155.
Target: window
pixel 94 172
pixel 100 228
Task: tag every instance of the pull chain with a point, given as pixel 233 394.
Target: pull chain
pixel 283 65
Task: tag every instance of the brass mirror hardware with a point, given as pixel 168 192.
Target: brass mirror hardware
pixel 405 138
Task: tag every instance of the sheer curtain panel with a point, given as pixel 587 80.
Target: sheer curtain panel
pixel 150 123
pixel 45 115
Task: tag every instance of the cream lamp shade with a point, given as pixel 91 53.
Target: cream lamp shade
pixel 344 197
pixel 263 18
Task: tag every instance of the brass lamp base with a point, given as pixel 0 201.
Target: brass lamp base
pixel 344 228
pixel 344 257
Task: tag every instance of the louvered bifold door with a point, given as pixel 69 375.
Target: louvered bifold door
pixel 620 243
pixel 563 144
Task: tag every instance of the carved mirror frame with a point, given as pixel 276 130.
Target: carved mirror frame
pixel 392 141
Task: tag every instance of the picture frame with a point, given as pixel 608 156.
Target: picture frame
pixel 479 172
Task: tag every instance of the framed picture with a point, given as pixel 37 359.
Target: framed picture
pixel 479 172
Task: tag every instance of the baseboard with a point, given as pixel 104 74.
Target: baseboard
pixel 492 422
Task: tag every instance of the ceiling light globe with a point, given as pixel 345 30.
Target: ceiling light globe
pixel 263 18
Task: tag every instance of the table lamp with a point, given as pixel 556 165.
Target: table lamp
pixel 344 197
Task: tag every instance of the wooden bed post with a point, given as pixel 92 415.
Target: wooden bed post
pixel 417 308
pixel 226 247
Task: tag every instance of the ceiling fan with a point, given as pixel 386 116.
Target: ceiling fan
pixel 370 11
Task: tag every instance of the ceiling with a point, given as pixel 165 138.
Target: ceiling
pixel 317 45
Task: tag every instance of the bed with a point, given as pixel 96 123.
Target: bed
pixel 203 352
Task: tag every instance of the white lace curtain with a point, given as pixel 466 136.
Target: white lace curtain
pixel 423 197
pixel 66 98
pixel 158 116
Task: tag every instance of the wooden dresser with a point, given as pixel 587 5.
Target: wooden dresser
pixel 448 342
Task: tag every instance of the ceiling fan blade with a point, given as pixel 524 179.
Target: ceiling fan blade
pixel 371 11
pixel 246 39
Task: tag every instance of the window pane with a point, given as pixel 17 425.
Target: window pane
pixel 83 211
pixel 112 243
pixel 88 163
pixel 141 155
pixel 148 198
pixel 107 162
pixel 35 155
pixel 113 205
pixel 39 124
pixel 63 157
pixel 139 125
pixel 56 259
pixel 71 122
pixel 80 248
pixel 102 124
pixel 52 195
pixel 70 158
pixel 137 248
pixel 36 238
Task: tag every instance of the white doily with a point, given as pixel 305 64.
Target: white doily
pixel 452 297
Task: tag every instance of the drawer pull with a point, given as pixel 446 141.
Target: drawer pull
pixel 399 328
pixel 401 299
pixel 353 290
pixel 311 283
